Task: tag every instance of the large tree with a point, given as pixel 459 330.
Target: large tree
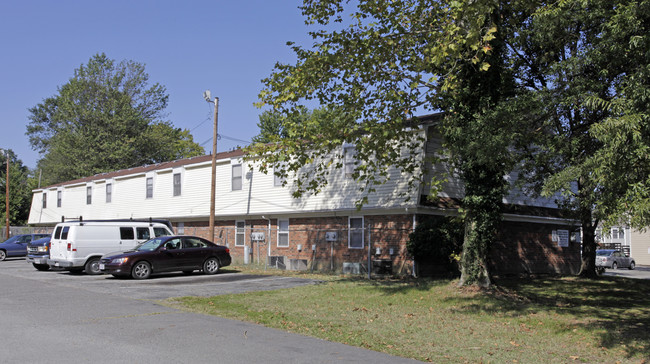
pixel 106 117
pixel 586 62
pixel 380 62
pixel 20 189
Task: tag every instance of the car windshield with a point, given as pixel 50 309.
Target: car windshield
pixel 149 245
pixel 604 252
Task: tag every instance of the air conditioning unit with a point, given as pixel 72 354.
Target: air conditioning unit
pixel 297 264
pixel 351 268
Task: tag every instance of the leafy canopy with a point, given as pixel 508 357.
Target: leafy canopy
pixel 106 117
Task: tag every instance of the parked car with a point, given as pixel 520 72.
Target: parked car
pixel 16 246
pixel 612 258
pixel 38 251
pixel 167 254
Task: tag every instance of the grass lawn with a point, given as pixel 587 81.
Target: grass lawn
pixel 544 320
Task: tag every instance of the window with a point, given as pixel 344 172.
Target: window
pixel 350 160
pixel 64 233
pixel 89 195
pixel 109 192
pixel 240 233
pixel 59 198
pixel 57 233
pixel 160 231
pixel 279 181
pixel 236 177
pixel 193 243
pixel 355 233
pixel 149 187
pixel 126 233
pixel 283 233
pixel 44 200
pixel 143 233
pixel 177 184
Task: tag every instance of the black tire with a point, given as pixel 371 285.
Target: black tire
pixel 3 255
pixel 614 265
pixel 141 270
pixel 632 265
pixel 41 267
pixel 211 266
pixel 92 267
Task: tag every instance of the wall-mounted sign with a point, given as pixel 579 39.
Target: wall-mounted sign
pixel 563 238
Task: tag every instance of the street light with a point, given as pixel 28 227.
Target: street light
pixel 7 193
pixel 208 97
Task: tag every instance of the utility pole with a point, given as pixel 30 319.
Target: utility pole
pixel 213 184
pixel 7 195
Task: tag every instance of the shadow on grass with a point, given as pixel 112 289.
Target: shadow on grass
pixel 615 310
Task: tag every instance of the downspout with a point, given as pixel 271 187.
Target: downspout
pixel 268 242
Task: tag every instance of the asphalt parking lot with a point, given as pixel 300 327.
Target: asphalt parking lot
pixel 640 272
pixel 158 286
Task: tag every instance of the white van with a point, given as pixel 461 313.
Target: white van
pixel 78 245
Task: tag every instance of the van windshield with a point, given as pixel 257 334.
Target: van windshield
pixel 149 245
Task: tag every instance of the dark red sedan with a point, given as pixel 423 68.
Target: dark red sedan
pixel 167 254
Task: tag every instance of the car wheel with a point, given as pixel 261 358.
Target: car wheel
pixel 632 265
pixel 614 265
pixel 41 267
pixel 3 255
pixel 92 267
pixel 141 270
pixel 211 266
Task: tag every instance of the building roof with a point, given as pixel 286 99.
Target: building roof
pixel 149 168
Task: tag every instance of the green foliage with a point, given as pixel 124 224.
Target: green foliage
pixel 436 240
pixel 105 117
pixel 20 190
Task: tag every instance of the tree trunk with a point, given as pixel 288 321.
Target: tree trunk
pixel 588 265
pixel 473 261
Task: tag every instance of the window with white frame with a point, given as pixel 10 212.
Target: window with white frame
pixel 89 195
pixel 236 177
pixel 240 233
pixel 149 187
pixel 44 200
pixel 177 184
pixel 350 159
pixel 355 232
pixel 109 192
pixel 278 175
pixel 59 198
pixel 283 233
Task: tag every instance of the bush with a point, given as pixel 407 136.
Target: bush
pixel 438 240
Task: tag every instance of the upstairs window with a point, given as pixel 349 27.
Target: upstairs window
pixel 236 177
pixel 109 192
pixel 149 187
pixel 279 181
pixel 350 160
pixel 177 184
pixel 44 200
pixel 89 195
pixel 59 198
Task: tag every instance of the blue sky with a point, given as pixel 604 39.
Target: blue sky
pixel 188 46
